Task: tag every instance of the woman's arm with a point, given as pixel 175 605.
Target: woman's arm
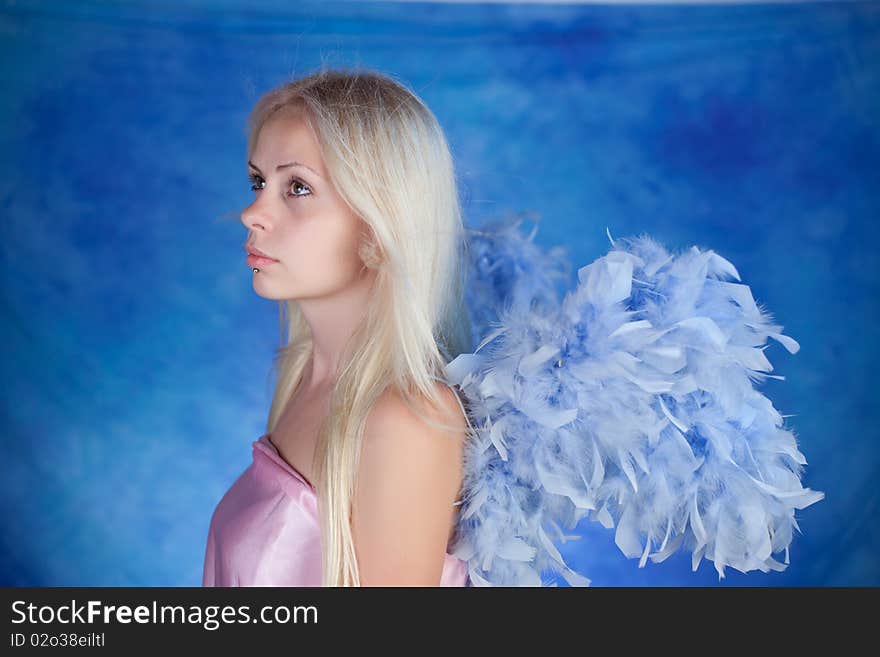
pixel 409 478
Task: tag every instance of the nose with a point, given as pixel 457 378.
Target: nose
pixel 254 217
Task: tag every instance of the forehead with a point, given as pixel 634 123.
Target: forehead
pixel 285 137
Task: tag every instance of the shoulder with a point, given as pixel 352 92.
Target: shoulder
pixel 414 433
pixel 392 410
pixel 408 481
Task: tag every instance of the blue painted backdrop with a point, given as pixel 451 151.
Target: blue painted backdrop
pixel 136 355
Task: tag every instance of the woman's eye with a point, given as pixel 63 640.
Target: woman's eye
pixel 294 184
pixel 299 188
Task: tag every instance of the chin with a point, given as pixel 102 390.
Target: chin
pixel 272 292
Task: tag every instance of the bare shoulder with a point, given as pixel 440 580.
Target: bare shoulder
pixel 391 409
pixel 409 478
pixel 399 432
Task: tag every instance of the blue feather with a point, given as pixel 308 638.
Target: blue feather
pixel 631 401
pixel 507 269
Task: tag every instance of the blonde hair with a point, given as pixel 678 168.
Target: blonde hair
pixel 389 160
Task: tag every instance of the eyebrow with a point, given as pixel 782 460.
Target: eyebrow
pixel 286 166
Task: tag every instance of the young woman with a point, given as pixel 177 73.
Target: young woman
pixel 631 401
pixel 355 229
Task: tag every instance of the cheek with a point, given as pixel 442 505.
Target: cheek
pixel 329 245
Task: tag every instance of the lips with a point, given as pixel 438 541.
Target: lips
pixel 253 251
pixel 258 261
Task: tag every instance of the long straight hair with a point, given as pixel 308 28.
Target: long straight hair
pixel 389 160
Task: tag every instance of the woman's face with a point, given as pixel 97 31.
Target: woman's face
pixel 298 218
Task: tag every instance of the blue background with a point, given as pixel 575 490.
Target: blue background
pixel 136 355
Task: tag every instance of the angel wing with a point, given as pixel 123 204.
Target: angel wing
pixel 631 402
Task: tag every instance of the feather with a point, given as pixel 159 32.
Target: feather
pixel 629 401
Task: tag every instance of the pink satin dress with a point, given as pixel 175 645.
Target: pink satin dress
pixel 265 532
